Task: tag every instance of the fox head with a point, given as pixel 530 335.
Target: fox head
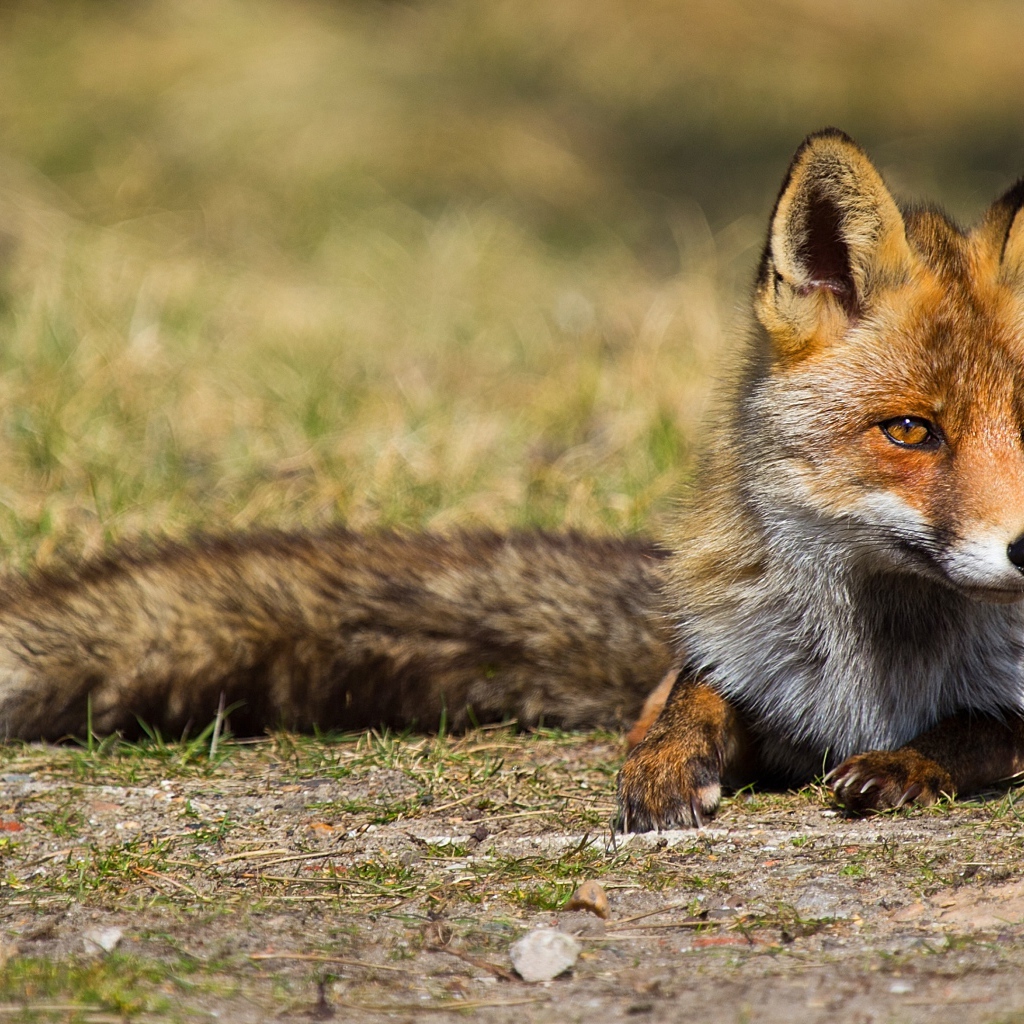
pixel 884 408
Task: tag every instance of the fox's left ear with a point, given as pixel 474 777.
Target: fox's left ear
pixel 1004 227
pixel 836 235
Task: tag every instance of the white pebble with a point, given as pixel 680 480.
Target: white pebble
pixel 101 940
pixel 543 954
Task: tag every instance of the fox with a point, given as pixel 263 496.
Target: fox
pixel 840 591
pixel 847 578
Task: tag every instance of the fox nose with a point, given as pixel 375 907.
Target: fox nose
pixel 1015 552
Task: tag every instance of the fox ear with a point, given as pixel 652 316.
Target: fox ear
pixel 1004 226
pixel 835 235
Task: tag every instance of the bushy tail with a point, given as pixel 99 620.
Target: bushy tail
pixel 335 631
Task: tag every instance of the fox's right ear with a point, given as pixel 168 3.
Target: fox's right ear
pixel 836 234
pixel 1004 227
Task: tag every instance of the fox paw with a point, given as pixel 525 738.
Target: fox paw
pixel 662 785
pixel 880 780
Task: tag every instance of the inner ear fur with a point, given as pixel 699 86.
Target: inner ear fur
pixel 835 234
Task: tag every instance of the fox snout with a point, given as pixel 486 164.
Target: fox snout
pixel 987 481
pixel 987 566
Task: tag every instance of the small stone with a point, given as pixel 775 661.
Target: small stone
pixel 590 896
pixel 543 954
pixel 101 940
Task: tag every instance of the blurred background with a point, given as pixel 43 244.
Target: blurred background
pixel 442 264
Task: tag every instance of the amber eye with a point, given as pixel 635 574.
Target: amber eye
pixel 910 432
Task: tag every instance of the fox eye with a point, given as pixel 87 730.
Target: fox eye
pixel 910 432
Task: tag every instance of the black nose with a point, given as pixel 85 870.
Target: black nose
pixel 1015 552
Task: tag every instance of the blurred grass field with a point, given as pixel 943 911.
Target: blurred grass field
pixel 427 264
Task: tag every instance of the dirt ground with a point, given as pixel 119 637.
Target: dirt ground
pixel 386 878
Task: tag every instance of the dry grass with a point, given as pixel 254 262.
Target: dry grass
pixel 432 265
pixel 454 374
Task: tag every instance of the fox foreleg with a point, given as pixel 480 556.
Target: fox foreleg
pixel 674 776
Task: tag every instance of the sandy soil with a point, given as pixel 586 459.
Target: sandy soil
pixel 387 879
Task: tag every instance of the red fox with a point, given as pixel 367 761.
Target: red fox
pixel 843 591
pixel 847 583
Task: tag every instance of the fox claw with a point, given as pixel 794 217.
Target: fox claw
pixel 911 793
pixel 698 818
